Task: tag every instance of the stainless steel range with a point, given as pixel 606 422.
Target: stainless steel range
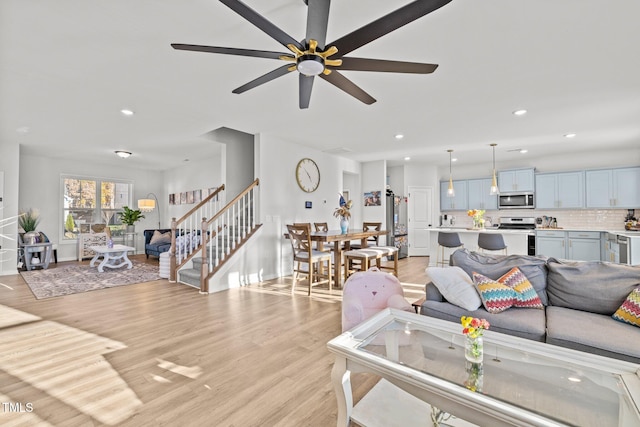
pixel 521 223
pixel 517 223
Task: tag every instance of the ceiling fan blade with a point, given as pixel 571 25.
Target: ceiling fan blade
pixel 231 51
pixel 262 23
pixel 341 82
pixel 382 65
pixel 385 25
pixel 306 84
pixel 272 75
pixel 317 21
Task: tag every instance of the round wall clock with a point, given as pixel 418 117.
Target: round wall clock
pixel 308 175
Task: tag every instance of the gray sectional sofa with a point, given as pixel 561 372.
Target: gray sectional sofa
pixel 579 299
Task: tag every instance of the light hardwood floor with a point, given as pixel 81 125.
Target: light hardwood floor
pixel 160 354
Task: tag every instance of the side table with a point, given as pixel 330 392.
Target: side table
pixel 130 240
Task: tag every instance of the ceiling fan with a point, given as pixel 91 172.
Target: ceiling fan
pixel 313 57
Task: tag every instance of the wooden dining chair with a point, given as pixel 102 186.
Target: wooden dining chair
pixel 380 253
pixel 322 226
pixel 305 255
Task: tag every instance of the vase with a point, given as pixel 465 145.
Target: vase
pixel 478 223
pixel 473 349
pixel 475 374
pixel 344 225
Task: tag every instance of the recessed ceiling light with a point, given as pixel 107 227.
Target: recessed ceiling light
pixel 520 112
pixel 126 112
pixel 570 135
pixel 123 154
pixel 407 158
pixel 455 159
pixel 523 151
pixel 399 136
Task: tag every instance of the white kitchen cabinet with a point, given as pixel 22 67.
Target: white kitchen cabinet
pixel 479 197
pixel 613 188
pixel 516 180
pixel 459 201
pixel 563 190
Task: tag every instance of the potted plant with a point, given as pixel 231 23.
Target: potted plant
pixel 129 217
pixel 28 221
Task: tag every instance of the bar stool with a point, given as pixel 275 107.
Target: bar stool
pixel 491 242
pixel 447 240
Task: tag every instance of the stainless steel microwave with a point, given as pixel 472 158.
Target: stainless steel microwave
pixel 516 201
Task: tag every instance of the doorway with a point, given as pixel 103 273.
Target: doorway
pixel 420 214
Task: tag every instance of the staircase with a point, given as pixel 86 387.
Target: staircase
pixel 208 236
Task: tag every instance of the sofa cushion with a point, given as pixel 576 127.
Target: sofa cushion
pixel 524 322
pixel 629 311
pixel 494 266
pixel 593 333
pixel 455 286
pixel 511 290
pixel 495 296
pixel 159 237
pixel 594 286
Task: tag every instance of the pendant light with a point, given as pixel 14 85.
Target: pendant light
pixel 494 182
pixel 450 191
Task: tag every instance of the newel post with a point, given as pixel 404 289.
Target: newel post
pixel 204 271
pixel 172 251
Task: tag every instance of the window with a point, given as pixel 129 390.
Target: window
pixel 89 201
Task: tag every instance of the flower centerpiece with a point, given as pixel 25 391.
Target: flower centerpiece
pixel 478 217
pixel 472 328
pixel 343 212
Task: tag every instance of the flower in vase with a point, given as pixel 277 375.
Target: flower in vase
pixel 473 327
pixel 343 211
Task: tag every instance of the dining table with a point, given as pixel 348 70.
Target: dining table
pixel 338 238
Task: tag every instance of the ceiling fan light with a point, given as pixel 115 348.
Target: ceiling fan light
pixel 310 65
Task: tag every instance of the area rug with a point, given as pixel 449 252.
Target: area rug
pixel 73 279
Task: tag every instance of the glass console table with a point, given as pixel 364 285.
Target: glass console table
pixel 520 382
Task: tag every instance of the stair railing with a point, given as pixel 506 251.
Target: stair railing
pixel 186 238
pixel 226 231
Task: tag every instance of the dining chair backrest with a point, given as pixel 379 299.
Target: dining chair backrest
pixel 300 238
pixel 321 226
pixel 372 226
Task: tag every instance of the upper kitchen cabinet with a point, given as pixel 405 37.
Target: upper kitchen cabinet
pixel 479 197
pixel 456 203
pixel 521 180
pixel 560 190
pixel 613 188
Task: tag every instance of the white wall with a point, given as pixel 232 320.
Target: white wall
pixel 10 165
pixel 197 174
pixel 39 188
pixel 283 202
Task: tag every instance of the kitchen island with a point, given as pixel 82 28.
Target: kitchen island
pixel 517 241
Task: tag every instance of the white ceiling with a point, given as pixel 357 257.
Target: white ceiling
pixel 67 68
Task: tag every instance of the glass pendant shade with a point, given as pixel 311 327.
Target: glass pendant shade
pixel 494 181
pixel 450 191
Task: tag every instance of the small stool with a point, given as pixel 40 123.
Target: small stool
pixel 164 265
pixel 447 240
pixel 491 242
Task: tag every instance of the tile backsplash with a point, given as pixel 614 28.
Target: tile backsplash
pixel 601 219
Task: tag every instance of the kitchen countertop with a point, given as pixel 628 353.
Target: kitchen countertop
pixel 621 231
pixel 483 230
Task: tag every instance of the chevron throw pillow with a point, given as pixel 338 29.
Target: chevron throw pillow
pixel 629 311
pixel 513 289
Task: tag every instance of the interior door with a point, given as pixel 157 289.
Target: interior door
pixel 420 215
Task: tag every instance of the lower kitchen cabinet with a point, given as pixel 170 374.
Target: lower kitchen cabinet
pixel 583 245
pixel 572 245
